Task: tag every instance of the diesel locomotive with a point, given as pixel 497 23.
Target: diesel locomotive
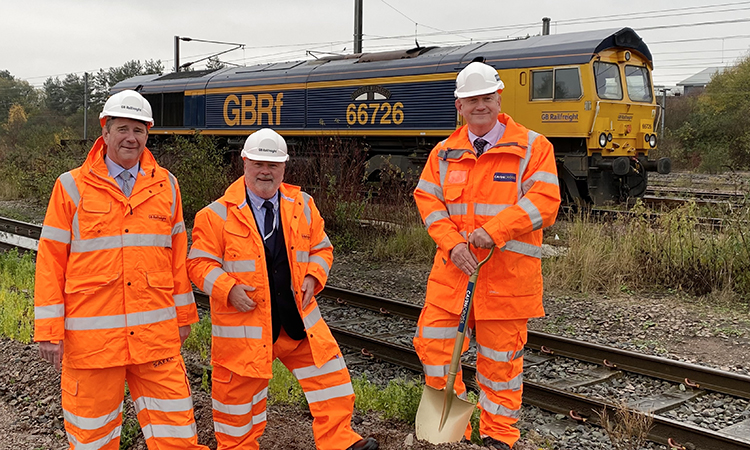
pixel 590 93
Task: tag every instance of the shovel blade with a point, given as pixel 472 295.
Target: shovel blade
pixel 430 414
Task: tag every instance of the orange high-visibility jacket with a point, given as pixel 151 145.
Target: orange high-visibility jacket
pixel 512 192
pixel 111 280
pixel 228 249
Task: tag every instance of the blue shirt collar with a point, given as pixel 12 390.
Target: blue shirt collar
pixel 257 202
pixel 115 169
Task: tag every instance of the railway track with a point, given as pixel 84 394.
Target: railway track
pixel 382 328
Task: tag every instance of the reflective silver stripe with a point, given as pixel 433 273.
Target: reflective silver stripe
pixel 325 243
pixel 435 216
pixel 92 423
pixel 178 228
pixel 512 385
pixel 240 410
pixel 322 395
pixel 69 184
pixel 435 371
pixel 97 444
pixel 49 312
pixel 208 282
pixel 452 153
pixel 148 317
pixel 238 332
pixel 169 431
pixel 544 177
pixel 195 253
pixel 533 212
pixel 306 198
pixel 524 249
pixel 303 256
pixel 331 366
pixel 497 355
pixel 321 262
pixel 443 169
pixel 165 405
pixel 239 431
pixel 219 209
pixel 312 318
pixel 464 234
pixel 488 209
pixel 438 332
pixel 75 228
pixel 125 240
pixel 531 137
pixel 120 320
pixel 457 209
pixel 94 323
pixel 259 418
pixel 431 188
pixel 173 184
pixel 55 234
pixel 496 409
pixel 246 265
pixel 183 299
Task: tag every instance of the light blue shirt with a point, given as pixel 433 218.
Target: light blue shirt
pixel 492 136
pixel 115 170
pixel 256 205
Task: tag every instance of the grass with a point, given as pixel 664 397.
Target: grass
pixel 16 296
pixel 200 338
pixel 671 253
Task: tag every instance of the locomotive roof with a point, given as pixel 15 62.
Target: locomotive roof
pixel 533 51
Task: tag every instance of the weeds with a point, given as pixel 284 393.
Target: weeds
pixel 200 338
pixel 628 429
pixel 16 296
pixel 398 400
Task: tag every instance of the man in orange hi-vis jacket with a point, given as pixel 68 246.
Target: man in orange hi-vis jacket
pixel 491 183
pixel 113 301
pixel 261 253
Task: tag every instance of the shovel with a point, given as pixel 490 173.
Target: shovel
pixel 443 416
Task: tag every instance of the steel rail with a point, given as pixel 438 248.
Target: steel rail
pixel 652 366
pixel 664 430
pixel 581 408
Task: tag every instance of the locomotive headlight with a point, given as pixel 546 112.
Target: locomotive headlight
pixel 609 137
pixel 652 141
pixel 602 140
pixel 647 138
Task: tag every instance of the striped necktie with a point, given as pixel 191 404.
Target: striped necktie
pixel 125 176
pixel 479 144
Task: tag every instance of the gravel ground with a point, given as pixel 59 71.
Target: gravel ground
pixel 667 325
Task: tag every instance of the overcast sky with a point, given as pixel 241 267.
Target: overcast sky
pixel 43 38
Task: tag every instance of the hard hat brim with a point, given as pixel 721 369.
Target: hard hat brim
pixel 278 159
pixel 498 88
pixel 103 118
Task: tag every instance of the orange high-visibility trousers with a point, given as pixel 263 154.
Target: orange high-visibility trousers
pixel 499 366
pixel 92 401
pixel 239 403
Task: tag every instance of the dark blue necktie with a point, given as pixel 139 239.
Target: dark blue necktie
pixel 268 224
pixel 479 144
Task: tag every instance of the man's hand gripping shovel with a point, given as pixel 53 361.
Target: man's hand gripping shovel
pixel 443 416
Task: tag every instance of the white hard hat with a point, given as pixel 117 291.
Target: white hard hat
pixel 265 145
pixel 128 104
pixel 477 79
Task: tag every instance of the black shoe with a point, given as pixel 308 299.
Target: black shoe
pixel 464 440
pixel 494 444
pixel 365 444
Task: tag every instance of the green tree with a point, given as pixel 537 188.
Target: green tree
pixel 15 92
pixel 64 97
pixel 103 80
pixel 719 127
